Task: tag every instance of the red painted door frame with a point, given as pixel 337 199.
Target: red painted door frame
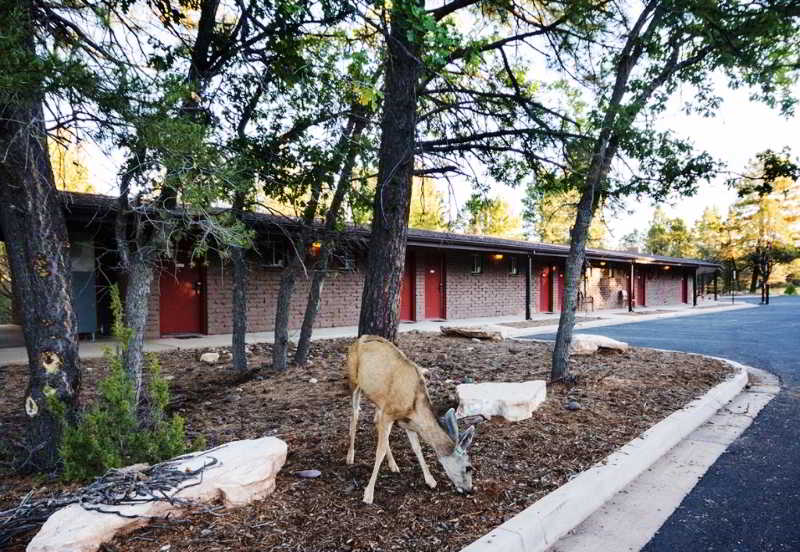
pixel 545 290
pixel 408 290
pixel 684 289
pixel 182 298
pixel 641 288
pixel 435 278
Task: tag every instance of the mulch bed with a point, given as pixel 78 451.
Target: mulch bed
pixel 515 463
pixel 550 322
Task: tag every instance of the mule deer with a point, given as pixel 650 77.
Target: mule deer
pixel 397 388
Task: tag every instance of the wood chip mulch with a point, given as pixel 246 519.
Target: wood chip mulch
pixel 621 394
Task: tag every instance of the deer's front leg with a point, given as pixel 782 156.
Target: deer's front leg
pixel 414 440
pixel 389 456
pixel 384 426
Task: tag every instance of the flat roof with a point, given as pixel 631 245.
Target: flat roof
pixel 100 208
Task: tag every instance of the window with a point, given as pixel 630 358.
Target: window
pixel 513 268
pixel 477 264
pixel 343 260
pixel 273 254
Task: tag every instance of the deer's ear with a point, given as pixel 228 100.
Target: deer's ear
pixel 466 439
pixel 450 424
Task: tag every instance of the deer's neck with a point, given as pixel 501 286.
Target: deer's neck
pixel 428 428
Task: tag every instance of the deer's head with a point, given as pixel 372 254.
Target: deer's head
pixel 457 465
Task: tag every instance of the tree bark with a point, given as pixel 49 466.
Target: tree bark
pixel 280 349
pixel 137 293
pixel 754 278
pixel 359 122
pixel 574 265
pixel 238 256
pixel 387 245
pixel 32 220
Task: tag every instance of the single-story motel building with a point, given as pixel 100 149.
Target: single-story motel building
pixel 447 276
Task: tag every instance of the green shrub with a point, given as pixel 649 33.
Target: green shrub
pixel 790 290
pixel 109 433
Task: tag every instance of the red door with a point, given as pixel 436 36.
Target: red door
pixel 181 304
pixel 407 290
pixel 545 291
pixel 685 289
pixel 560 276
pixel 640 290
pixel 434 287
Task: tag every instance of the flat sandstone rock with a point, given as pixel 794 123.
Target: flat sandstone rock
pixel 245 471
pixel 587 344
pixel 512 401
pixel 472 332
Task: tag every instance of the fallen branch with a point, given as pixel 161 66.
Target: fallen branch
pixel 118 487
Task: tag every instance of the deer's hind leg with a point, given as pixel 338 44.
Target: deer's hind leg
pixel 351 452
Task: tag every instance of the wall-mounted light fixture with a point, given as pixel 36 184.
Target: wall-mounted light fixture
pixel 666 268
pixel 498 257
pixel 602 263
pixel 315 248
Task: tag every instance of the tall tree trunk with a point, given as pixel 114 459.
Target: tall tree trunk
pixel 32 220
pixel 137 293
pixel 754 277
pixel 354 132
pixel 574 266
pixel 280 348
pixel 387 245
pixel 312 306
pixel 238 256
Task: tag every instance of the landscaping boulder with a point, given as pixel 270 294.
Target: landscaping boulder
pixel 476 333
pixel 512 401
pixel 209 358
pixel 587 344
pixel 244 472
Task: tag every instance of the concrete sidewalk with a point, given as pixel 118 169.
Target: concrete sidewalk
pixel 95 349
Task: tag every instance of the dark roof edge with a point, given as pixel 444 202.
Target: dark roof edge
pixel 98 204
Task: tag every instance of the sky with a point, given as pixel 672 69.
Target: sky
pixel 738 131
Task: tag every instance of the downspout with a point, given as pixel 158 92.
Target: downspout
pixel 528 272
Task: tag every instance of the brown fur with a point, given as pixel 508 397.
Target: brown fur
pixel 396 385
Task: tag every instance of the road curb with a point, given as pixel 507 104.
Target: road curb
pixel 544 522
pixel 618 320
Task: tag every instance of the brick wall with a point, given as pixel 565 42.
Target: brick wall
pixel 604 284
pixel 663 287
pixel 340 302
pixel 494 292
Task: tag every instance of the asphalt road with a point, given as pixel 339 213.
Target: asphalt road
pixel 749 501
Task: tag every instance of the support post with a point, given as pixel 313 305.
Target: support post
pixel 694 287
pixel 528 279
pixel 630 290
pixel 716 273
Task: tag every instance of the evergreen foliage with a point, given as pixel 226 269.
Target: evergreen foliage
pixel 109 433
